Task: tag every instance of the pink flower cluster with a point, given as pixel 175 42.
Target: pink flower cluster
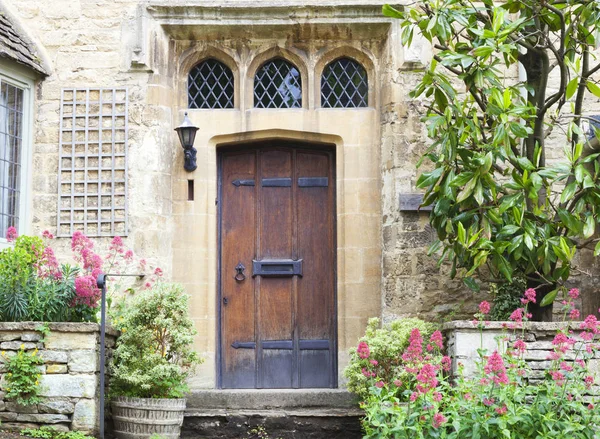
pixel 495 367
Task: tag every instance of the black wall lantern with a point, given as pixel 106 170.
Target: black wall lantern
pixel 187 134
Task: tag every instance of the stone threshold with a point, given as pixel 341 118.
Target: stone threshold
pixel 268 399
pixel 276 413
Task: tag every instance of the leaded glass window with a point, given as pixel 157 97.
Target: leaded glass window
pixel 344 84
pixel 210 85
pixel 11 139
pixel 278 84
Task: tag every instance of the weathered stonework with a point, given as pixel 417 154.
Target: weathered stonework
pixel 464 338
pixel 69 381
pixel 149 47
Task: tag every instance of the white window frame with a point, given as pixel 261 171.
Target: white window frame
pixel 19 76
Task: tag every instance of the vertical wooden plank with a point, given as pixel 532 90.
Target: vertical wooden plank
pixel 238 204
pixel 275 295
pixel 316 242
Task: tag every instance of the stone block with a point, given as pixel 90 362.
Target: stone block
pixel 17 426
pixel 56 368
pixel 54 356
pixel 10 336
pixel 2 406
pixel 14 407
pixel 53 406
pixel 70 341
pixel 16 345
pixel 79 386
pixel 466 343
pixel 43 418
pixel 31 336
pixel 84 417
pixel 83 361
pixel 8 417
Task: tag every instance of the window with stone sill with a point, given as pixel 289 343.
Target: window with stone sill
pixel 278 84
pixel 14 117
pixel 210 85
pixel 344 84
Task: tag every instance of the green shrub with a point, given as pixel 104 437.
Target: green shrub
pixel 22 377
pixel 32 285
pixel 386 345
pixel 506 298
pixel 153 355
pixel 51 433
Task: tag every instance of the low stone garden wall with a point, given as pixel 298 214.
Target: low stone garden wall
pixel 70 375
pixel 464 338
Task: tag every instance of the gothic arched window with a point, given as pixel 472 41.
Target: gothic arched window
pixel 210 85
pixel 277 84
pixel 344 84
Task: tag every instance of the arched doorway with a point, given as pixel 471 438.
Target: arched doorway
pixel 277 266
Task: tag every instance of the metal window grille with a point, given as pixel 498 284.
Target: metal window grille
pixel 11 138
pixel 210 85
pixel 93 162
pixel 278 84
pixel 344 84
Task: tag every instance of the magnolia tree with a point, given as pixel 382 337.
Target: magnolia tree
pixel 500 208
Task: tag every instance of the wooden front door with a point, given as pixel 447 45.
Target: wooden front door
pixel 277 267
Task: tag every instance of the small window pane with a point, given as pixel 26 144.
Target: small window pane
pixel 11 123
pixel 210 85
pixel 278 84
pixel 344 84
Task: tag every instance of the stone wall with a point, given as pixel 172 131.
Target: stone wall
pixel 70 375
pixel 464 339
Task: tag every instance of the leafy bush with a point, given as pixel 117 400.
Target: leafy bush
pixel 45 432
pixel 385 345
pixel 34 286
pixel 153 355
pixel 507 297
pixel 499 401
pixel 22 377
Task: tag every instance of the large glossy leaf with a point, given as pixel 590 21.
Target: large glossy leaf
pixel 549 298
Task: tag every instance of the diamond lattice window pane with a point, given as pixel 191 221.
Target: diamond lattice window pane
pixel 278 84
pixel 344 84
pixel 210 85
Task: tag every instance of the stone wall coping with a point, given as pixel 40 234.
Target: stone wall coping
pixel 57 327
pixel 500 326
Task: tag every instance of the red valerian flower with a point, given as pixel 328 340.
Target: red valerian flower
pixel 495 367
pixel 438 420
pixel 437 339
pixel 529 296
pixel 363 350
pixel 11 234
pixel 573 293
pixel 415 347
pixel 484 307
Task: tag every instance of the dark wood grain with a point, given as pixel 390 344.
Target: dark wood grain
pixel 279 331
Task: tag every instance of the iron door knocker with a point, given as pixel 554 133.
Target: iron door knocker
pixel 239 275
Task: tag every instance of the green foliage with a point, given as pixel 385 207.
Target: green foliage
pixel 386 345
pixel 22 377
pixel 507 298
pixel 153 355
pixel 497 400
pixel 258 432
pixel 25 295
pixel 497 203
pixel 45 432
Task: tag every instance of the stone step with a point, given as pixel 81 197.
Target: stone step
pixel 285 414
pixel 271 398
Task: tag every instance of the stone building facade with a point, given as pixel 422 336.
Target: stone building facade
pixel 120 68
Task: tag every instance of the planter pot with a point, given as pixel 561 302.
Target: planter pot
pixel 140 418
